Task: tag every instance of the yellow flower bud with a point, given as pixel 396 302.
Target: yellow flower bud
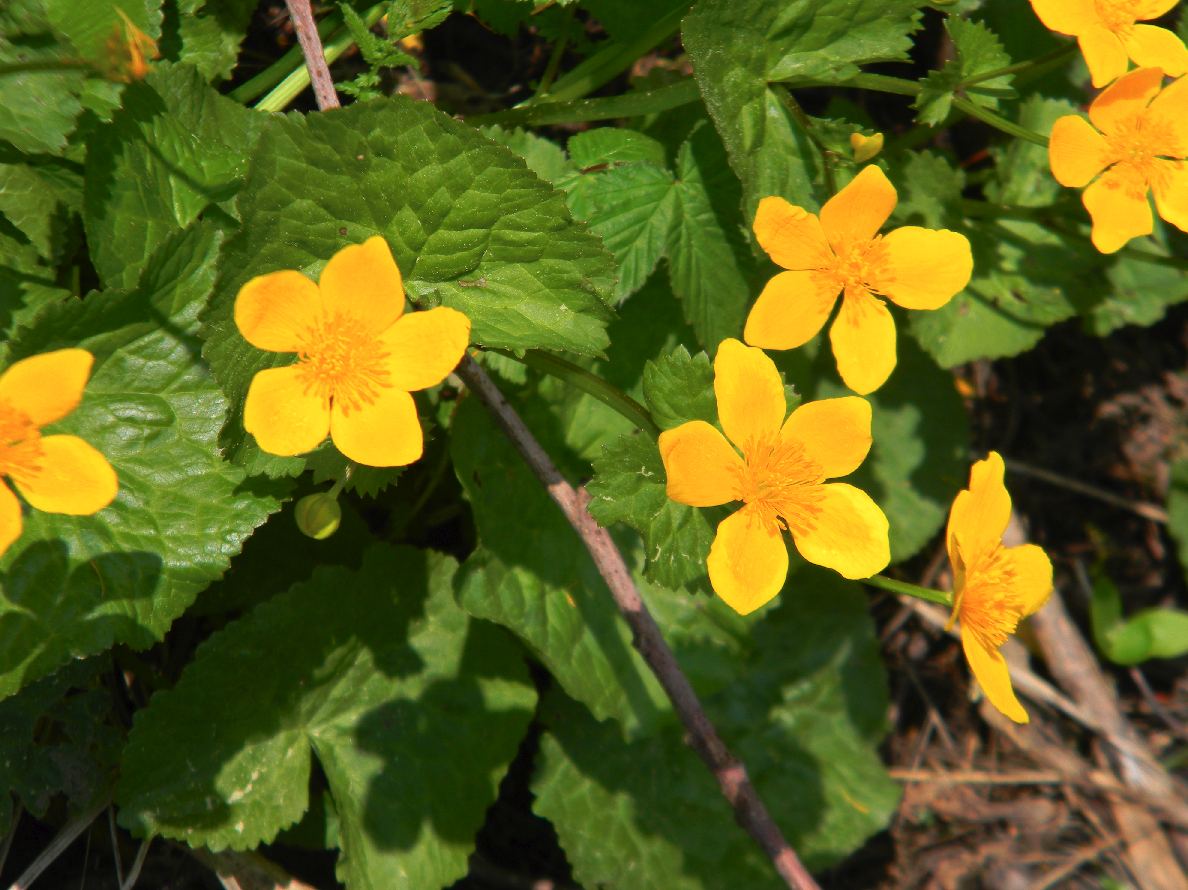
pixel 318 515
pixel 865 147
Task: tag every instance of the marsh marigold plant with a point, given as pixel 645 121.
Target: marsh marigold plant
pixel 777 465
pixel 841 252
pixel 1110 36
pixel 359 358
pixel 994 587
pixel 1134 144
pixel 53 473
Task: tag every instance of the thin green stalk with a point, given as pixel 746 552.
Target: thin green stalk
pixel 62 64
pixel 296 82
pixel 986 116
pixel 903 587
pixel 806 124
pixel 1041 63
pixel 633 104
pixel 283 67
pixel 611 60
pixel 588 382
pixel 554 64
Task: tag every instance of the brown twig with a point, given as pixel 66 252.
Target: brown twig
pixel 315 56
pixel 1148 511
pixel 731 774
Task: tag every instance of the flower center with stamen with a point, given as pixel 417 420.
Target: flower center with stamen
pixel 342 358
pixel 857 265
pixel 1135 147
pixel 1117 15
pixel 20 444
pixel 779 481
pixel 989 605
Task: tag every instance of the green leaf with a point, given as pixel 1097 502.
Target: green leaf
pixel 1023 175
pixel 743 49
pixel 544 158
pixel 99 28
pixel 470 227
pixel 1149 633
pixel 27 284
pixel 930 190
pixel 611 146
pixel 210 32
pixel 49 105
pixel 73 585
pixel 58 739
pixel 680 387
pixel 410 16
pixel 629 487
pixel 710 264
pixel 1136 291
pixel 978 51
pixel 39 196
pixel 631 209
pixel 174 149
pixel 919 459
pixel 535 577
pixel 413 711
pixel 805 713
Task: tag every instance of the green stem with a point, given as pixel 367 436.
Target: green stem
pixel 298 80
pixel 903 587
pixel 554 65
pixel 283 67
pixel 633 104
pixel 986 116
pixel 336 490
pixel 43 65
pixel 588 382
pixel 611 60
pixel 1039 63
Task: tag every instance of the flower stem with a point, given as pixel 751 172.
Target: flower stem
pixel 903 587
pixel 1031 66
pixel 588 382
pixel 986 116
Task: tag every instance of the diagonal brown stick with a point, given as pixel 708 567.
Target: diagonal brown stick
pixel 730 772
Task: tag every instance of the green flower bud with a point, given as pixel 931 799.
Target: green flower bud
pixel 318 515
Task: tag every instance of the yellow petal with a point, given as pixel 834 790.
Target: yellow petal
pixel 1170 187
pixel 925 267
pixel 790 235
pixel 1076 151
pixel 364 281
pixel 858 211
pixel 791 310
pixel 1151 46
pixel 980 513
pixel 1125 98
pixel 1170 110
pixel 702 469
pixel 846 531
pixel 74 478
pixel 386 433
pixel 1117 203
pixel 1151 9
pixel 863 339
pixel 46 387
pixel 1033 575
pixel 11 522
pixel 1104 54
pixel 424 347
pixel 1065 16
pixel 285 418
pixel 990 670
pixel 748 561
pixel 865 147
pixel 751 403
pixel 274 311
pixel 835 433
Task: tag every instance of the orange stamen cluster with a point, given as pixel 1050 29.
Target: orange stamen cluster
pixel 343 359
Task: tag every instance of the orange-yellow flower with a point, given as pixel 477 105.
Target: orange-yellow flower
pixel 359 358
pixel 55 474
pixel 1108 36
pixel 993 586
pixel 842 252
pixel 1141 148
pixel 780 479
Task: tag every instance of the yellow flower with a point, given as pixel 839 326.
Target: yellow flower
pixel 55 474
pixel 993 587
pixel 780 479
pixel 865 147
pixel 358 358
pixel 1108 36
pixel 842 252
pixel 1141 148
